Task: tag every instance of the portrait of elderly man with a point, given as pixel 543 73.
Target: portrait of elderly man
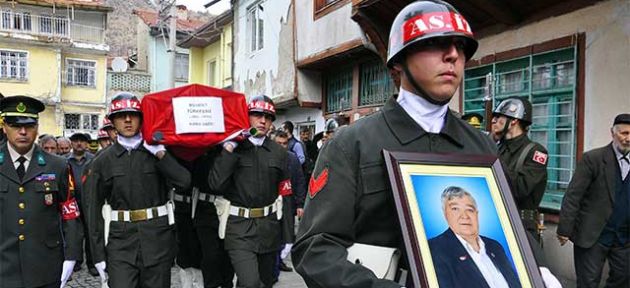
pixel 462 257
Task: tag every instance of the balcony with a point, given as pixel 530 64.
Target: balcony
pixel 57 27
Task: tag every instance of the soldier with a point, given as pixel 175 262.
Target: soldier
pixel 350 198
pixel 474 119
pixel 253 176
pixel 131 176
pixel 524 161
pixel 103 139
pixel 199 245
pixel 40 229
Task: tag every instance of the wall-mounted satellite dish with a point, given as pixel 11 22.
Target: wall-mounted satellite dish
pixel 119 64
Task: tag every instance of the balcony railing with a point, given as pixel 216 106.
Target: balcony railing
pixel 51 26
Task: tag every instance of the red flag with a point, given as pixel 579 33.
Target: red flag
pixel 158 125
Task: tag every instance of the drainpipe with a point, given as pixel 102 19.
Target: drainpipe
pixel 295 69
pixel 57 98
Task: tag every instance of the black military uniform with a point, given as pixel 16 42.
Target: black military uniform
pixel 350 198
pixel 141 244
pixel 524 162
pixel 39 224
pixel 199 245
pixel 251 177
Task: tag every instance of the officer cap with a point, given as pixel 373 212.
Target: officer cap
pixel 622 119
pixel 473 119
pixel 21 109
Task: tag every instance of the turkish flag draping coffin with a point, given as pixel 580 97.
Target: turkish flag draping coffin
pixel 192 118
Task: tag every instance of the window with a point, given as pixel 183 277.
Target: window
pixel 81 122
pixel 181 67
pixel 255 27
pixel 6 19
pixel 81 73
pixel 339 90
pixel 13 65
pixel 212 66
pixel 548 81
pixel 45 24
pixel 376 84
pixel 323 7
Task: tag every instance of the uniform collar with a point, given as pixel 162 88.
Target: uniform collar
pixel 249 144
pixel 515 143
pixel 407 130
pixel 15 155
pixel 429 116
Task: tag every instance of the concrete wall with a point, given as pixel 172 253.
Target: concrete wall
pixel 607 29
pixel 159 63
pixel 87 94
pixel 271 70
pixel 316 36
pixel 43 72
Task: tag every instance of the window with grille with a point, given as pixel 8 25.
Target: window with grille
pixel 548 81
pixel 339 90
pixel 81 122
pixel 255 27
pixel 181 67
pixel 212 66
pixel 13 65
pixel 80 73
pixel 376 84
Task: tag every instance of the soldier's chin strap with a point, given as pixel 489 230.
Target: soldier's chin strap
pixel 419 90
pixel 505 128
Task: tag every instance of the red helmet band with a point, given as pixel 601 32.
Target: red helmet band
pixel 261 105
pixel 125 104
pixel 435 22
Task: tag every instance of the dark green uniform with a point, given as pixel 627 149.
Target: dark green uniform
pixel 36 236
pixel 137 252
pixel 251 177
pixel 527 180
pixel 350 198
pixel 199 245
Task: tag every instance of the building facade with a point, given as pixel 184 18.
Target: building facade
pixel 56 52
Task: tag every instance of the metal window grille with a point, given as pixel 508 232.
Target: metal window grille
pixel 81 122
pixel 548 80
pixel 80 73
pixel 339 90
pixel 181 67
pixel 13 65
pixel 376 84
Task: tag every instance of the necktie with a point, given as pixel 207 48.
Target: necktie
pixel 624 165
pixel 21 170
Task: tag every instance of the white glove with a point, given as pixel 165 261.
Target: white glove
pixel 154 149
pixel 66 271
pixel 548 278
pixel 100 267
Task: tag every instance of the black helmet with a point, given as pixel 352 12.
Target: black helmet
pixel 515 107
pixel 422 20
pixel 262 104
pixel 124 102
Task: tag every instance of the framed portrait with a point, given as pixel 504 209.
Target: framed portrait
pixel 459 222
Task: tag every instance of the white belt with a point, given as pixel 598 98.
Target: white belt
pixel 254 212
pixel 140 214
pixel 207 197
pixel 182 198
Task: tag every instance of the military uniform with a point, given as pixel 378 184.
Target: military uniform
pixel 252 177
pixel 138 250
pixel 350 198
pixel 198 240
pixel 527 177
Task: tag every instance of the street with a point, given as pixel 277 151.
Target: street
pixel 82 279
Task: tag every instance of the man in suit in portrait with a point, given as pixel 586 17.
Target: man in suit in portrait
pixel 463 258
pixel 595 212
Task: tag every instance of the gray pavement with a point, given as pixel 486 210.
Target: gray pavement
pixel 82 279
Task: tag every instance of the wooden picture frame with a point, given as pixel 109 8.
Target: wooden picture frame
pixel 420 180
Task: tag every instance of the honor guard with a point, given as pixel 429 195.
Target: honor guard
pixel 198 242
pixel 40 229
pixel 253 176
pixel 132 175
pixel 524 161
pixel 350 199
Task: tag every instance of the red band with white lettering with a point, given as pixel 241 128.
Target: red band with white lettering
pixel 124 104
pixel 435 22
pixel 265 106
pixel 284 189
pixel 70 209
